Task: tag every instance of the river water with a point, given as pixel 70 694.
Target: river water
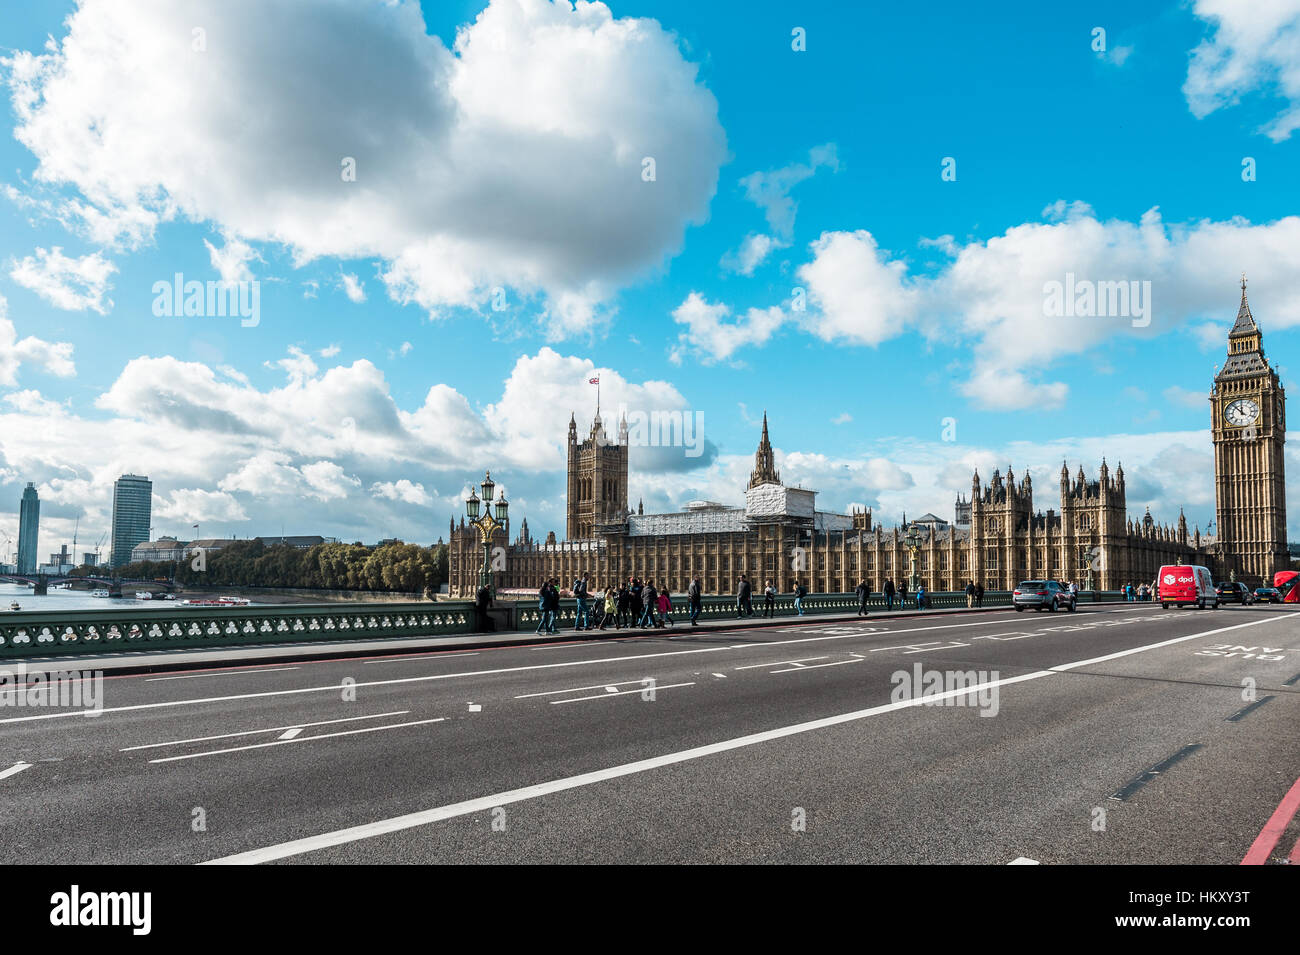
pixel 59 599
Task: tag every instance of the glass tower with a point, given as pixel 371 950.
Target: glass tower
pixel 29 519
pixel 132 512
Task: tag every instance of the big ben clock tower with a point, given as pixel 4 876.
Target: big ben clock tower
pixel 1248 422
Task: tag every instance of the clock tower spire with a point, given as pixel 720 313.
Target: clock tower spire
pixel 1248 424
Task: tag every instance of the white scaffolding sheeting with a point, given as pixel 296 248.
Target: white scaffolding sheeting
pixel 775 500
pixel 712 521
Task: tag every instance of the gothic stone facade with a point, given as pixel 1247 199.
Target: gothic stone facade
pixel 997 537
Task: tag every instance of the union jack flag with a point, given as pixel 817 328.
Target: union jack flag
pixel 593 381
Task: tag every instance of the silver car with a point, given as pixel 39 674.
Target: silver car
pixel 1042 595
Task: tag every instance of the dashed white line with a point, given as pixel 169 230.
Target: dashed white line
pixel 817 666
pixel 297 739
pixel 269 729
pixel 14 770
pixel 609 694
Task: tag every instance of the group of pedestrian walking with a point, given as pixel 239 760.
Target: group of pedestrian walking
pixel 633 603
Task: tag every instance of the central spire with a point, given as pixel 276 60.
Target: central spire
pixel 765 471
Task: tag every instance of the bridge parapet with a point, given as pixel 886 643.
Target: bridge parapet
pixel 39 633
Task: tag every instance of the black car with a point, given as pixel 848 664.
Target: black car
pixel 1269 595
pixel 1237 593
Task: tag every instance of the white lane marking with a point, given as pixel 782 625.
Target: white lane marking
pixel 1022 860
pixel 369 830
pixel 1015 635
pixel 336 687
pixel 421 656
pixel 777 663
pixel 269 729
pixel 14 770
pixel 579 689
pixel 818 666
pixel 474 707
pixel 290 734
pixel 611 689
pixel 605 696
pixel 297 739
pixel 196 676
pixel 945 646
pixel 720 676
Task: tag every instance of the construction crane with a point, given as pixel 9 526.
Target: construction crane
pixel 98 544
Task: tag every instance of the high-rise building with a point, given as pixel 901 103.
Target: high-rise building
pixel 29 519
pixel 1248 422
pixel 132 511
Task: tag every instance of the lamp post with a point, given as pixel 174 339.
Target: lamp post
pixel 913 543
pixel 1085 558
pixel 487 524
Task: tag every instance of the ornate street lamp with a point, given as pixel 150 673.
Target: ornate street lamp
pixel 913 543
pixel 487 524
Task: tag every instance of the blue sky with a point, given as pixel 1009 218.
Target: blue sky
pixel 511 164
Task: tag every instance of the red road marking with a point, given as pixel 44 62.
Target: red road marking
pixel 1268 836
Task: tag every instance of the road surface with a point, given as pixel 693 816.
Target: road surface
pixel 1118 734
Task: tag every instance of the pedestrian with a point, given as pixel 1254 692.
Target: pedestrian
pixel 920 596
pixel 553 600
pixel 611 607
pixel 648 614
pixel 624 605
pixel 889 593
pixel 637 606
pixel 744 597
pixel 482 601
pixel 979 595
pixel 902 594
pixel 769 600
pixel 970 594
pixel 695 598
pixel 580 619
pixel 665 607
pixel 863 593
pixel 544 606
pixel 800 591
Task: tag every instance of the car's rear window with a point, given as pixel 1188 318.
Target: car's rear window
pixel 1031 584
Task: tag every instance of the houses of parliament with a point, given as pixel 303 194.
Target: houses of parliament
pixel 996 536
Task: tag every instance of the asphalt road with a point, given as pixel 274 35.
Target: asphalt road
pixel 796 744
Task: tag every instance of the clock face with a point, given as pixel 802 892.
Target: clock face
pixel 1241 412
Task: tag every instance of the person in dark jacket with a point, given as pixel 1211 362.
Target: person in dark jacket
pixel 482 601
pixel 553 603
pixel 979 595
pixel 769 600
pixel 902 594
pixel 545 620
pixel 744 597
pixel 649 595
pixel 637 606
pixel 695 596
pixel 624 605
pixel 863 592
pixel 889 593
pixel 970 593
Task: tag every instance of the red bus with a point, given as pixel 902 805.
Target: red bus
pixel 1288 582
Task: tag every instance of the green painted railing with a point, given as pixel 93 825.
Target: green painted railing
pixel 39 633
